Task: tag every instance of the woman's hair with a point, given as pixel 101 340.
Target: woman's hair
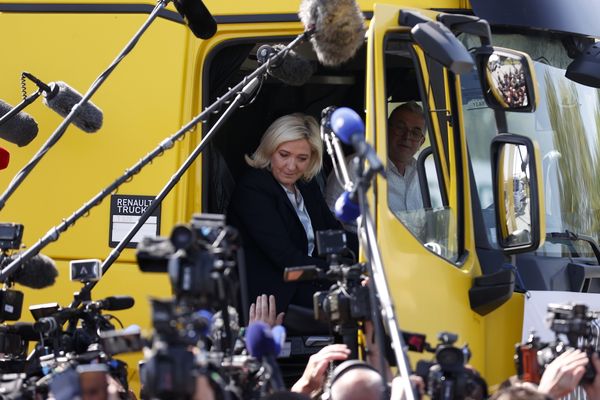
pixel 286 129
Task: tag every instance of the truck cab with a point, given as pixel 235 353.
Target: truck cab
pixel 449 265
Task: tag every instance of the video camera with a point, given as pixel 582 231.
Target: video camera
pixel 447 377
pixel 347 300
pixel 573 322
pixel 201 259
pixel 196 332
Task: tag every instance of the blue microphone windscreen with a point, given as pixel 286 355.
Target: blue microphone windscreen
pixel 205 316
pixel 346 210
pixel 259 340
pixel 279 338
pixel 346 123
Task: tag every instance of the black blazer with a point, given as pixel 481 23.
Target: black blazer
pixel 273 236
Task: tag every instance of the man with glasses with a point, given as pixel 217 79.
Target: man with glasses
pixel 406 135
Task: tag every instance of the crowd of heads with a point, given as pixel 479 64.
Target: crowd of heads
pixel 512 86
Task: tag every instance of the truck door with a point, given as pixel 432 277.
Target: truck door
pixel 426 239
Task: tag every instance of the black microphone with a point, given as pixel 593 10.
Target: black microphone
pixel 339 28
pixel 61 98
pixel 197 18
pixel 291 68
pixel 38 272
pixel 21 129
pixel 113 303
pixel 23 329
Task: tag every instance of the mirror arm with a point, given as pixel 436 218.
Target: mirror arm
pixel 468 24
pixel 411 18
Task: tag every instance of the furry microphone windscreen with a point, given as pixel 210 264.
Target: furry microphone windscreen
pixel 293 70
pixel 38 272
pixel 62 98
pixel 339 28
pixel 21 129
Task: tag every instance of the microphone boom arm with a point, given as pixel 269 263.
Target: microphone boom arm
pixel 368 237
pixel 19 107
pixel 378 281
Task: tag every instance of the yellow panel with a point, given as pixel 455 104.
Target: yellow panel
pixel 219 7
pixel 141 102
pixel 430 294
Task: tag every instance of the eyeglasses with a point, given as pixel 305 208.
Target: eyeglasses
pixel 414 134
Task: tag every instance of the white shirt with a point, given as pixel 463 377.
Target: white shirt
pixel 298 203
pixel 404 191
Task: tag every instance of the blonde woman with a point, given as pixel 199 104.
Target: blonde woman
pixel 278 208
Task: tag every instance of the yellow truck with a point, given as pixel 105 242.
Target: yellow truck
pixel 449 272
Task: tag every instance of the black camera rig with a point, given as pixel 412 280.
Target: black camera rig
pixel 447 377
pixel 346 302
pixel 574 326
pixel 196 332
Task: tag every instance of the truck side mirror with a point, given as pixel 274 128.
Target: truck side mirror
pixel 507 78
pixel 437 41
pixel 517 193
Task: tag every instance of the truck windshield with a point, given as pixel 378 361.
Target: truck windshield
pixel 566 125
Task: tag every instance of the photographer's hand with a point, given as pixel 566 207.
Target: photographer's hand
pixel 563 374
pixel 265 310
pixel 314 374
pixel 592 390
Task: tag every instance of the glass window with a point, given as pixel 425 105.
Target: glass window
pixel 566 126
pixel 416 195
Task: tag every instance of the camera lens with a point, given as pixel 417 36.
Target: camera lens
pixel 450 356
pixel 182 237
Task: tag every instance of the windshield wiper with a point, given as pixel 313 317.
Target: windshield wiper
pixel 567 235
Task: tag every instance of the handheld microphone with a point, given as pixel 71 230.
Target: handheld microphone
pixel 262 346
pixel 38 272
pixel 291 68
pixel 197 18
pixel 349 127
pixel 347 208
pixel 279 336
pixel 4 158
pixel 339 28
pixel 61 98
pixel 20 129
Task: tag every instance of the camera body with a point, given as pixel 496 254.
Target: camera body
pixel 446 376
pixel 574 326
pixel 347 300
pixel 10 236
pixel 201 259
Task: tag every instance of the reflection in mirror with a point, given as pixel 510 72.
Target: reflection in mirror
pixel 515 183
pixel 508 79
